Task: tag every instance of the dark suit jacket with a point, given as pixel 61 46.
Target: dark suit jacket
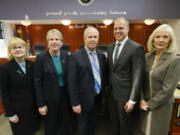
pixel 125 77
pixel 46 78
pixel 81 79
pixel 17 87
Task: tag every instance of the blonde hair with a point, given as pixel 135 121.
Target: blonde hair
pixel 54 32
pixel 15 41
pixel 172 47
pixel 120 19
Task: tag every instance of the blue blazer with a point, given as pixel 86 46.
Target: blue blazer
pixel 81 79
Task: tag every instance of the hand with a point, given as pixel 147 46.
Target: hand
pixel 143 105
pixel 103 100
pixel 43 110
pixel 128 107
pixel 77 109
pixel 14 119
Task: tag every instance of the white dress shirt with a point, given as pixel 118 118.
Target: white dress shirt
pixel 120 47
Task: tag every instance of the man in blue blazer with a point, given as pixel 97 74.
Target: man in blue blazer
pixel 86 81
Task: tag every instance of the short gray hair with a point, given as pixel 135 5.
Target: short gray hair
pixel 89 28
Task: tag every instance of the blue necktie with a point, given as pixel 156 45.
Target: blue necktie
pixel 96 72
pixel 116 53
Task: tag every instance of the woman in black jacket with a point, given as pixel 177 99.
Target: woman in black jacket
pixel 18 96
pixel 50 85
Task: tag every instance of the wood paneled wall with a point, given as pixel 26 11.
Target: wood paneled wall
pixel 1 108
pixel 74 36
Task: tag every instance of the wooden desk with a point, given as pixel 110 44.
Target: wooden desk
pixel 1 108
pixel 3 60
pixel 176 119
pixel 175 122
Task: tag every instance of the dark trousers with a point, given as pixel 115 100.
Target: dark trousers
pixel 28 123
pixel 57 120
pixel 120 123
pixel 87 120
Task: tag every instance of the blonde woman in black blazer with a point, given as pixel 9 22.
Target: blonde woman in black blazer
pixel 50 85
pixel 18 96
pixel 162 75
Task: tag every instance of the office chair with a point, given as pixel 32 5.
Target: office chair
pixel 103 48
pixel 81 46
pixel 39 49
pixel 66 48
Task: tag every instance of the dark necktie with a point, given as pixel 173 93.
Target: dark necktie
pixel 96 73
pixel 116 53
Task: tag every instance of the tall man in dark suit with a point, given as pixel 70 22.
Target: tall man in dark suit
pixel 126 68
pixel 86 74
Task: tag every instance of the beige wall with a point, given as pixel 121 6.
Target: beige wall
pixel 8 33
pixel 176 27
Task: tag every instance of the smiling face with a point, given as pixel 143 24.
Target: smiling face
pixel 54 42
pixel 91 39
pixel 161 40
pixel 121 29
pixel 18 51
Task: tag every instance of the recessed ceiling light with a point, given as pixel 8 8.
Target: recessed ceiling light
pixel 107 21
pixel 149 21
pixel 26 22
pixel 66 22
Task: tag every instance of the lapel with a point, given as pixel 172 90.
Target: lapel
pixel 28 68
pixel 51 64
pixel 123 51
pixel 87 61
pixel 99 56
pixel 149 61
pixel 17 68
pixel 161 60
pixel 63 60
pixel 110 57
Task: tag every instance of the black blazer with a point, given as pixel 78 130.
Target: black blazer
pixel 125 77
pixel 81 79
pixel 17 87
pixel 46 79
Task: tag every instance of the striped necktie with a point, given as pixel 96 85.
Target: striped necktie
pixel 116 53
pixel 96 72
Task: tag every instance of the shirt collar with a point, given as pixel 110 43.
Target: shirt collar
pixel 123 41
pixel 89 51
pixel 21 64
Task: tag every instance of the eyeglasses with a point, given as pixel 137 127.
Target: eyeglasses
pixel 17 47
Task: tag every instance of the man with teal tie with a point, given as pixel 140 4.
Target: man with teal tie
pixel 86 81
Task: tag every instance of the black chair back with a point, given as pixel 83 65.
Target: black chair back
pixel 39 49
